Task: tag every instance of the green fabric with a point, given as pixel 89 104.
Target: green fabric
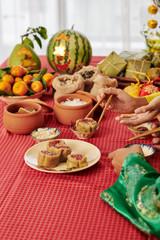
pixel 136 194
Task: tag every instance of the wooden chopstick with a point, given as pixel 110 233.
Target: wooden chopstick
pixel 145 134
pixel 95 106
pixel 104 109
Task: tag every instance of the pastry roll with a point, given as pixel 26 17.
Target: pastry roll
pixel 63 151
pixel 59 147
pixel 48 159
pixel 55 142
pixel 76 161
pixel 86 125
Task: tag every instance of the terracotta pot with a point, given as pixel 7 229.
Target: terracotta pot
pixel 22 123
pixel 68 114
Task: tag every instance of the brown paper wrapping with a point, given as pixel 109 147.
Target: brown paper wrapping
pixel 112 65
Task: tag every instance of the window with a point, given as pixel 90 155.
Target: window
pixel 108 24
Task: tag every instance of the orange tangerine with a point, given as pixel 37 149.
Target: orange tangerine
pixel 27 78
pixel 17 79
pixel 35 75
pixel 20 88
pixel 18 71
pixel 36 86
pixel 8 78
pixel 48 77
pixel 4 85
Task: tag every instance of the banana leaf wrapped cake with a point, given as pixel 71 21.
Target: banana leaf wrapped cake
pixel 132 55
pixel 135 66
pixel 113 65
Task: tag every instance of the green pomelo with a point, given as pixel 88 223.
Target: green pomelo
pixel 24 55
pixel 68 51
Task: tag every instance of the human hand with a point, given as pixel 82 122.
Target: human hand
pixel 142 114
pixel 156 136
pixel 121 101
pixel 119 155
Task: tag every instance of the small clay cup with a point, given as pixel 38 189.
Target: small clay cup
pixel 22 123
pixel 70 114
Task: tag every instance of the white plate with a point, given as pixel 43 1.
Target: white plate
pixel 92 153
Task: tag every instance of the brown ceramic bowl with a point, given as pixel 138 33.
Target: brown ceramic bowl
pixel 66 114
pixel 22 123
pixel 82 135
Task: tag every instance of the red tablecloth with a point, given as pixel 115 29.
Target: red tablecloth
pixel 45 206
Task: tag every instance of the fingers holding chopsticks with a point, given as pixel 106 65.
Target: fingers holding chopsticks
pixel 104 93
pixel 121 101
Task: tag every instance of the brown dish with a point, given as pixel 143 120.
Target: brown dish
pixel 20 123
pixel 68 114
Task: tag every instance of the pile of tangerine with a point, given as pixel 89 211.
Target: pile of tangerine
pixel 19 81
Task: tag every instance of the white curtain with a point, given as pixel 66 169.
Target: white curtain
pixel 108 24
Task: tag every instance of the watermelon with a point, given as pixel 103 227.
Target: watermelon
pixel 68 51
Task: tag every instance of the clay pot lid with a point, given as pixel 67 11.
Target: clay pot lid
pixel 87 94
pixel 45 107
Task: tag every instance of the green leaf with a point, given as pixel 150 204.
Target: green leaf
pixel 30 92
pixel 3 71
pixel 6 93
pixel 37 39
pixel 52 73
pixel 28 29
pixel 28 41
pixel 34 71
pixel 43 32
pixel 44 83
pixel 39 77
pixel 43 71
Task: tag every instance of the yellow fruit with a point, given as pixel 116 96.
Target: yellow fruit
pixel 8 78
pixel 4 85
pixel 36 86
pixel 18 71
pixel 152 9
pixel 27 78
pixel 152 23
pixel 17 79
pixel 35 75
pixel 48 78
pixel 20 88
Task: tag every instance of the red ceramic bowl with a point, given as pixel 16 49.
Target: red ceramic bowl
pixel 70 114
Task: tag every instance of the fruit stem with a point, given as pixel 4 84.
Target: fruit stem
pixel 72 27
pixel 25 35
